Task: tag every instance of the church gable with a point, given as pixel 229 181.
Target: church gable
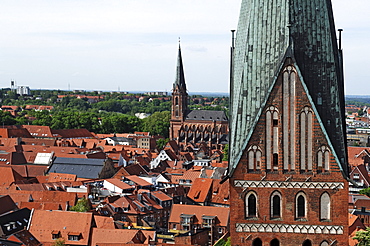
pixel 288 137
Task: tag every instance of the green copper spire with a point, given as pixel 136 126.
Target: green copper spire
pixel 268 31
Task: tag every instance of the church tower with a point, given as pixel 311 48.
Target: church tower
pixel 179 98
pixel 288 163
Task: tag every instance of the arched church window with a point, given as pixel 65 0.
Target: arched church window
pixel 276 205
pixel 307 242
pixel 275 242
pixel 254 158
pixel 257 242
pixel 323 159
pixel 272 138
pixel 325 206
pixel 306 139
pixel 176 101
pixel 251 205
pixel 300 206
pixel 289 118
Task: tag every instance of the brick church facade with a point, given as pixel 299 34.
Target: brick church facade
pixel 288 163
pixel 192 128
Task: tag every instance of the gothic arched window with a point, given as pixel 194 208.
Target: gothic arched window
pixel 323 159
pixel 257 242
pixel 300 205
pixel 325 206
pixel 275 205
pixel 307 242
pixel 275 242
pixel 254 158
pixel 272 138
pixel 306 139
pixel 251 205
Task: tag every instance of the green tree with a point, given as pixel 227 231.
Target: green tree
pixel 6 118
pixel 82 205
pixel 365 192
pixel 226 153
pixel 158 123
pixel 363 237
pixel 222 242
pixel 161 143
pixel 59 242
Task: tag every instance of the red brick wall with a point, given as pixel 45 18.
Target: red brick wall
pixel 339 197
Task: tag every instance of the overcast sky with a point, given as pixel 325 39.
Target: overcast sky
pixel 131 45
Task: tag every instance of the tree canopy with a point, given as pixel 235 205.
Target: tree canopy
pixel 363 237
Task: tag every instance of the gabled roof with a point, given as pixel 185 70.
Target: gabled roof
pixel 209 115
pixel 119 184
pixel 121 236
pixel 7 204
pixel 199 211
pixel 72 133
pixel 39 131
pixel 361 170
pixel 8 176
pixel 14 221
pixel 44 222
pixel 220 192
pixel 83 168
pixel 138 181
pixel 356 155
pixel 104 222
pixel 161 196
pixel 200 190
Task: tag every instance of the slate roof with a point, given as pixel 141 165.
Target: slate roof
pixel 83 168
pixel 208 115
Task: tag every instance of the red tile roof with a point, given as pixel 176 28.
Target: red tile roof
pixel 137 180
pixel 199 211
pixel 44 222
pixel 121 236
pixel 104 222
pixel 200 190
pixel 39 131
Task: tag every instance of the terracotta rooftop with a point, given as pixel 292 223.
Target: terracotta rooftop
pixel 200 190
pixel 121 236
pixel 44 224
pixel 199 211
pixel 103 222
pixel 137 180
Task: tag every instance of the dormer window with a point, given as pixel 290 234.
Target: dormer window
pixel 55 235
pixel 74 236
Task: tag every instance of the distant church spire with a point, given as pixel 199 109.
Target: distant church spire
pixel 180 77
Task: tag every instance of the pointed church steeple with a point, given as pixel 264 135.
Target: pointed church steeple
pixel 179 94
pixel 180 77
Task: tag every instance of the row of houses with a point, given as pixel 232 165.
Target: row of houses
pixel 154 197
